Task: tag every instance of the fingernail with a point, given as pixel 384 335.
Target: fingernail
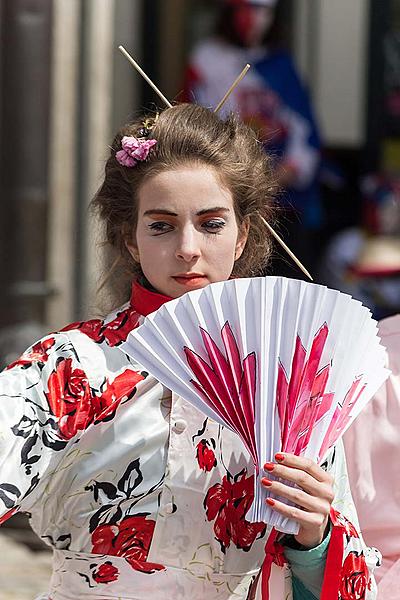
pixel 269 466
pixel 266 481
pixel 280 456
pixel 270 501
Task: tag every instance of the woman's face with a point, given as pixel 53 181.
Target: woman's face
pixel 186 235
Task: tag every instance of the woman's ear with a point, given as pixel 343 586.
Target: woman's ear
pixel 242 237
pixel 130 243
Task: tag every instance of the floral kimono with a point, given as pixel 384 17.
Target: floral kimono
pixel 138 493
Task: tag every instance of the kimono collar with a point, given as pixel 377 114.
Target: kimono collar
pixel 145 301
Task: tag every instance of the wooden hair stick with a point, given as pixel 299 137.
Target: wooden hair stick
pixel 285 247
pixel 229 92
pixel 143 74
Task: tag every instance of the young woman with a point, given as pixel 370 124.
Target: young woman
pixel 139 494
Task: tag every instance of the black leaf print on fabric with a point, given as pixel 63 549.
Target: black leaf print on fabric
pixel 24 427
pixel 34 482
pixel 50 438
pixel 26 458
pixel 109 515
pixel 131 479
pixel 201 431
pixel 103 491
pixel 7 490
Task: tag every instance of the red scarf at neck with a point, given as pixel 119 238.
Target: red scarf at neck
pixel 145 301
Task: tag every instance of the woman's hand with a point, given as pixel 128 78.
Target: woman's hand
pixel 313 496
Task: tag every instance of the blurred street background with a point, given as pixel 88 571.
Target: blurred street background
pixel 66 90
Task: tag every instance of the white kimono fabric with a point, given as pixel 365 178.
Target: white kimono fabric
pixel 139 494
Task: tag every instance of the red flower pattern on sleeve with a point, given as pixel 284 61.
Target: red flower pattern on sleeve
pixel 226 504
pixel 113 333
pixel 129 539
pixel 37 354
pixel 71 400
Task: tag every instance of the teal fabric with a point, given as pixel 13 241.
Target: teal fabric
pixel 308 568
pixel 300 592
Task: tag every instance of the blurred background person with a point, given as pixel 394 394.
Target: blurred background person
pixel 274 101
pixel 364 260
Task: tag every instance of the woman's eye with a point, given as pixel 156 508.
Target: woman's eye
pixel 213 225
pixel 160 227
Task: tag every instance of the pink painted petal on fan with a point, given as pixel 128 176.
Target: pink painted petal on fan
pixel 232 353
pixel 311 411
pixel 247 395
pixel 341 417
pixel 209 402
pixel 350 400
pixel 219 364
pixel 313 363
pixel 300 403
pixel 227 373
pixel 326 441
pixel 282 388
pixel 209 383
pixel 219 395
pixel 295 377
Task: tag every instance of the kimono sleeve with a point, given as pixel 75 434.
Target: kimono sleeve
pixel 44 400
pixel 350 564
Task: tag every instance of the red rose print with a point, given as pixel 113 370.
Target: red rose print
pixel 37 354
pixel 205 456
pixel 69 398
pixel 227 504
pixel 122 388
pixel 114 332
pixel 72 401
pixel 105 573
pixel 129 539
pixel 354 578
pixel 341 520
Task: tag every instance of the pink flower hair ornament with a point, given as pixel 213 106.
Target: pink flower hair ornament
pixel 134 150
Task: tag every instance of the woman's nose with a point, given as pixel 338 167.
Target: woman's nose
pixel 188 247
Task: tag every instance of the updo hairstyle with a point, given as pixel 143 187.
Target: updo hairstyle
pixel 190 135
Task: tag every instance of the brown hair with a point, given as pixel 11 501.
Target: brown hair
pixel 190 134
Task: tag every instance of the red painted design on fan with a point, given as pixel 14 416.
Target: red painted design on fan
pixel 227 384
pixel 303 401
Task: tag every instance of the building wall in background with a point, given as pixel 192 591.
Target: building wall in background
pixel 94 92
pixel 331 44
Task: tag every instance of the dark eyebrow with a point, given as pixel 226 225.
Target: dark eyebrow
pixel 162 211
pixel 212 210
pixel 159 211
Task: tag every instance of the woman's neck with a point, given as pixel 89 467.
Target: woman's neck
pixel 144 298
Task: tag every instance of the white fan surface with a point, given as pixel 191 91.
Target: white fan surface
pixel 284 363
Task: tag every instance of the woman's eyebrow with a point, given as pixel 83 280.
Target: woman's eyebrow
pixel 204 211
pixel 159 211
pixel 215 209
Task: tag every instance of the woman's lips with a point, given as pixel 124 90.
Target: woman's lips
pixel 190 280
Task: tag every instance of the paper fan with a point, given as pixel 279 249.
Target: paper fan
pixel 285 364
